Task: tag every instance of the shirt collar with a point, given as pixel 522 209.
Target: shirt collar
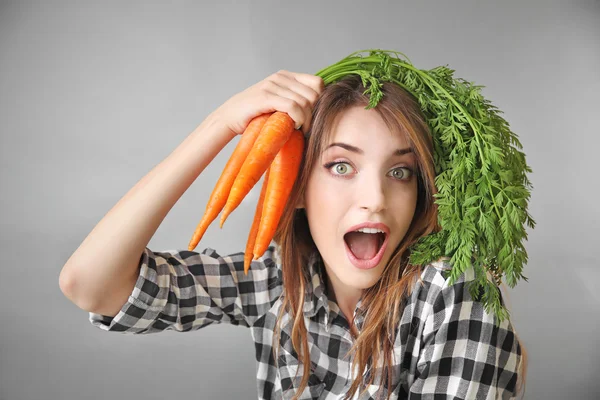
pixel 316 297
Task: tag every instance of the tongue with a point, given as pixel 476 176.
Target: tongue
pixel 363 245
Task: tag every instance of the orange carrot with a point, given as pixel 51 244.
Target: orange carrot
pixel 282 175
pixel 219 195
pixel 254 229
pixel 271 139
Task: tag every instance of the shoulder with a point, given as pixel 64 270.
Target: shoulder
pixel 214 270
pixel 437 297
pixel 432 281
pixel 435 279
pixel 211 258
pixel 455 339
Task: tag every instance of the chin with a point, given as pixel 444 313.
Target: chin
pixel 363 279
pixel 366 284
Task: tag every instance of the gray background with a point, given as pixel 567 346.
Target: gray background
pixel 93 96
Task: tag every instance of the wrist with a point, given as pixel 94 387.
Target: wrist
pixel 214 124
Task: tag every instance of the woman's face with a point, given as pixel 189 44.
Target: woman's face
pixel 370 182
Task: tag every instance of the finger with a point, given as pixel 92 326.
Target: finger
pixel 300 100
pixel 287 105
pixel 315 82
pixel 305 87
pixel 317 85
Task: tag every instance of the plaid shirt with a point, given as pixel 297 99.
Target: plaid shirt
pixel 446 343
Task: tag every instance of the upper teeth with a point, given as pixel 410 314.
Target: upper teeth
pixel 369 230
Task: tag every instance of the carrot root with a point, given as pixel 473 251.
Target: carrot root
pixel 271 139
pixel 283 173
pixel 255 224
pixel 220 193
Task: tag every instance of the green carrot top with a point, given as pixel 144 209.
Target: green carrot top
pixel 480 171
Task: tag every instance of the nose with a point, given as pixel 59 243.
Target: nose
pixel 372 194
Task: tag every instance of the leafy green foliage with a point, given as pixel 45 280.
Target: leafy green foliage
pixel 483 189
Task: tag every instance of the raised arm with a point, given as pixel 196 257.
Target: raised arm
pixel 101 274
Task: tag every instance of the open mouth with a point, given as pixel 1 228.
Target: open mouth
pixel 364 246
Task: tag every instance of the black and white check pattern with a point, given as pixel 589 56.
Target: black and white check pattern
pixel 446 345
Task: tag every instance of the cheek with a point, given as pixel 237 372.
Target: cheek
pixel 323 206
pixel 317 207
pixel 317 193
pixel 409 197
pixel 406 212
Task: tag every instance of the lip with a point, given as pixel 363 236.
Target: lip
pixel 375 225
pixel 372 263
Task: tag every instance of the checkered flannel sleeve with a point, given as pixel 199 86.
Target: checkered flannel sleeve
pixel 465 355
pixel 187 290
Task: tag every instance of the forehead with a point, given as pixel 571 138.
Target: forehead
pixel 365 128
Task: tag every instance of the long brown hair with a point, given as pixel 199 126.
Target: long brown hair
pixel 384 301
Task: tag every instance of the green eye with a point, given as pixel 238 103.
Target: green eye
pixel 341 168
pixel 401 172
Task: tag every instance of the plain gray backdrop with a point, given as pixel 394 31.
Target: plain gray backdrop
pixel 94 94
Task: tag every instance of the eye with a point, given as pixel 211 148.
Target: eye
pixel 340 167
pixel 402 173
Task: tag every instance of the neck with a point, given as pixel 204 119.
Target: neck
pixel 345 298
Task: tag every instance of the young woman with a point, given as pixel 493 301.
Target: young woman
pixel 334 307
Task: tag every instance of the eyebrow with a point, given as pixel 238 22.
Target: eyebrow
pixel 355 149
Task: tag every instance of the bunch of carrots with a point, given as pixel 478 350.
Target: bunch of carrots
pixel 270 145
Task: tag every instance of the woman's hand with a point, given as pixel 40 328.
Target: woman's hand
pixel 290 92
